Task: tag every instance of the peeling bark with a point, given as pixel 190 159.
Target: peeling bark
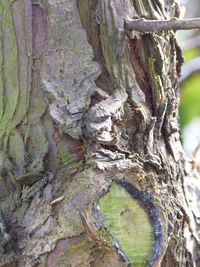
pixel 82 103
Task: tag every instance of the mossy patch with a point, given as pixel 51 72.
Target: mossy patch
pixel 19 213
pixel 129 226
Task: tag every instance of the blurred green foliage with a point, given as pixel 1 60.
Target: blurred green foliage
pixel 190 93
pixel 190 54
pixel 190 99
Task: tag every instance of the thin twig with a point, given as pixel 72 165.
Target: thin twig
pixel 143 25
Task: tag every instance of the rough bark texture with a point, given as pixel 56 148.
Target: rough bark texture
pixel 84 104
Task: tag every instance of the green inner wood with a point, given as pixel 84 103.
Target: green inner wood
pixel 128 223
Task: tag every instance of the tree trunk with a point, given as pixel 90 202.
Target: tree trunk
pixel 92 168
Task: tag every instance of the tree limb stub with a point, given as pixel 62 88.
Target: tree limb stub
pixel 143 25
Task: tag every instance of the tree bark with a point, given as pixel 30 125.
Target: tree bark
pixel 92 168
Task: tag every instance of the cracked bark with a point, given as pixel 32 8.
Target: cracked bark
pixel 82 106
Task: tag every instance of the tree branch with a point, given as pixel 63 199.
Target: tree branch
pixel 143 25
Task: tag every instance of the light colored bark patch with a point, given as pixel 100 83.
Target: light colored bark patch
pixel 69 71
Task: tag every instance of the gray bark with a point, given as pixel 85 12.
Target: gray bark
pixel 84 104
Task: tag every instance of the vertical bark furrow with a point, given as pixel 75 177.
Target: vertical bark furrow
pixel 1 66
pixel 16 66
pixel 23 59
pixel 10 70
pixel 27 6
pixel 36 140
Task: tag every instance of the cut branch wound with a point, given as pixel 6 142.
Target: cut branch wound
pixel 143 25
